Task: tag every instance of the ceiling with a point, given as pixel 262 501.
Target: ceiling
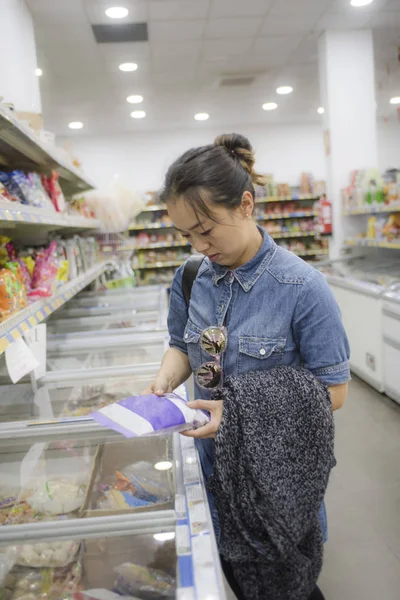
pixel 193 45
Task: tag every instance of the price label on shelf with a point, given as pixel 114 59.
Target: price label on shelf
pixel 20 360
pixel 36 339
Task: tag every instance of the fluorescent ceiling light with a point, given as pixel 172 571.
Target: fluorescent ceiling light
pixel 126 67
pixel 138 114
pixel 358 3
pixel 117 12
pixel 270 106
pixel 163 465
pixel 134 99
pixel 201 116
pixel 75 125
pixel 284 89
pixel 395 100
pixel 38 72
pixel 164 537
pixel 320 110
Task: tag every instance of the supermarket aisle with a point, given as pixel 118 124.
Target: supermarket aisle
pixel 362 557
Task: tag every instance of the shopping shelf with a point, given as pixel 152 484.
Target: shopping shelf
pixel 21 148
pixel 16 326
pixel 162 245
pixel 373 210
pixel 281 236
pixel 155 208
pixel 30 215
pixel 365 242
pixel 145 227
pixel 285 198
pixel 295 215
pixel 321 252
pixel 160 265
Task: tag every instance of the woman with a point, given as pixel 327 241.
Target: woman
pixel 276 308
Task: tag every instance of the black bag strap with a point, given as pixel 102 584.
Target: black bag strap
pixel 190 271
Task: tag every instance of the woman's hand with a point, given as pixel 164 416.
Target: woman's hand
pixel 209 431
pixel 160 386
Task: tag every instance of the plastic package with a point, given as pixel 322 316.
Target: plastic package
pixel 83 400
pixel 53 189
pixel 150 415
pixel 12 187
pixel 45 272
pixel 5 195
pixel 12 292
pixel 145 583
pixel 23 583
pixel 57 496
pixel 38 193
pixel 46 554
pixel 134 488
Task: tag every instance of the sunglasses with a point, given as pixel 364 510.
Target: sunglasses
pixel 214 341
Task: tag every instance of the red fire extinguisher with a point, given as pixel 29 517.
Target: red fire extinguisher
pixel 324 216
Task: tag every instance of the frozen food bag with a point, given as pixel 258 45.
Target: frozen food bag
pixel 143 582
pixel 150 415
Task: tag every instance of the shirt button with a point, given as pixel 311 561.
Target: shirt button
pixel 262 351
pixel 186 336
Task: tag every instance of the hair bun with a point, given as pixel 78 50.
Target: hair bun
pixel 240 147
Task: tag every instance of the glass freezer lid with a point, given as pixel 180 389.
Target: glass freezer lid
pixel 63 399
pixel 72 311
pixel 145 321
pixel 149 299
pixel 85 476
pixel 83 358
pixel 101 567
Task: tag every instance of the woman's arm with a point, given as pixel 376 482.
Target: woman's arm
pixel 174 370
pixel 338 395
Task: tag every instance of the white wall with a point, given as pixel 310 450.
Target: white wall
pixel 285 151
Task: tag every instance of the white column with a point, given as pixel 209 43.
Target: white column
pixel 18 82
pixel 346 65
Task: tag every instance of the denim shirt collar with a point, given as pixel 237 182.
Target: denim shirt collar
pixel 248 274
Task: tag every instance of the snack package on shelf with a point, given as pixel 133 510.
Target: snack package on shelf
pixel 391 231
pixel 45 272
pixel 150 415
pixel 43 200
pixel 53 189
pixel 12 187
pixel 5 195
pixel 13 296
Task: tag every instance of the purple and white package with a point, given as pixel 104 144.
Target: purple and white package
pixel 150 415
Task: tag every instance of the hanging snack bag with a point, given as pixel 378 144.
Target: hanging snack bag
pixel 52 186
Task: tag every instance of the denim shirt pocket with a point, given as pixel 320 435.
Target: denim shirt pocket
pixel 191 338
pixel 257 353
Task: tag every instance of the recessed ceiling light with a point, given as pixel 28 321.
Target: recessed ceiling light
pixel 38 72
pixel 395 100
pixel 358 3
pixel 201 116
pixel 270 106
pixel 163 465
pixel 75 125
pixel 128 67
pixel 117 12
pixel 138 114
pixel 134 99
pixel 320 110
pixel 164 537
pixel 284 89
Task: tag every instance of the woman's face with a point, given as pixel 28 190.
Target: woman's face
pixel 226 240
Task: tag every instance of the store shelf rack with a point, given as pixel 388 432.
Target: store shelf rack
pixel 297 234
pixel 373 210
pixel 16 326
pixel 295 215
pixel 285 199
pixel 369 243
pixel 159 265
pixel 146 226
pixel 32 216
pixel 155 208
pixel 21 148
pixel 158 245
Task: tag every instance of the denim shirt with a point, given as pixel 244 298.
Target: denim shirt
pixel 278 310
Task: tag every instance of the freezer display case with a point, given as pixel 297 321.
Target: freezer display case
pixel 358 285
pixel 96 517
pixel 106 351
pixel 391 342
pixel 74 397
pixel 152 298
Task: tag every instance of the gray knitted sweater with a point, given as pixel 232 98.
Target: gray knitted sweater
pixel 273 456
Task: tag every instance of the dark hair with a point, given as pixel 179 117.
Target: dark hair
pixel 220 172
